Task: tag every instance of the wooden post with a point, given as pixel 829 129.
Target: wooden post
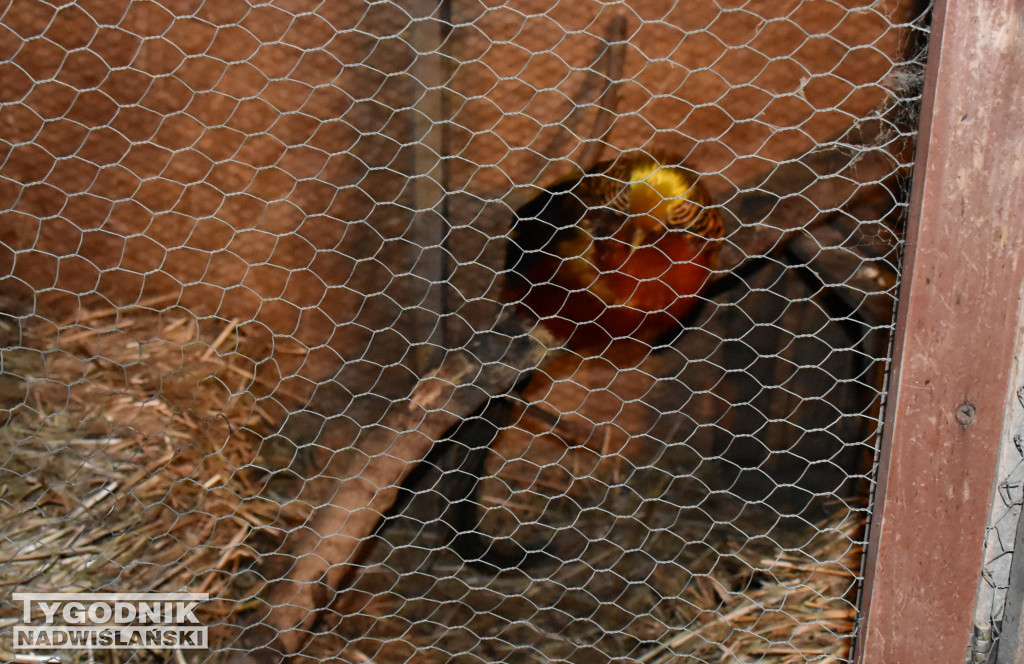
pixel 429 181
pixel 958 315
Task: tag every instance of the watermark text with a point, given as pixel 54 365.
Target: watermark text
pixel 110 621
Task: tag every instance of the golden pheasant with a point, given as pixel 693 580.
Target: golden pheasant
pixel 621 252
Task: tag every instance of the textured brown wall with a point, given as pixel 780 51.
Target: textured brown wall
pixel 254 161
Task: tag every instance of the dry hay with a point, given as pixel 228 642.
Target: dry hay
pixel 656 569
pixel 128 447
pixel 132 461
pixel 802 610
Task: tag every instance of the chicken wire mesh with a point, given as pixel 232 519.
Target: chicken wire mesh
pixel 995 593
pixel 259 339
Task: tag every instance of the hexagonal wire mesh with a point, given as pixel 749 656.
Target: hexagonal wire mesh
pixel 251 252
pixel 1001 532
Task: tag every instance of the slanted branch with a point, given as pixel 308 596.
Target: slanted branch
pixel 368 473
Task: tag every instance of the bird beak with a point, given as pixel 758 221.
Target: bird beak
pixel 638 236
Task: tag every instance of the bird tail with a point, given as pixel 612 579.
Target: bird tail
pixel 462 517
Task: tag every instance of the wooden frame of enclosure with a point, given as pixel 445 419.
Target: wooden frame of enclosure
pixel 957 326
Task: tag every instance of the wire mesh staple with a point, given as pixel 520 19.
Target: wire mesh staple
pixel 259 339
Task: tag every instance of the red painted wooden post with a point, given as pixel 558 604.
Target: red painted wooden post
pixel 959 313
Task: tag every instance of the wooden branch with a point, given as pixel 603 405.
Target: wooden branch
pixel 367 475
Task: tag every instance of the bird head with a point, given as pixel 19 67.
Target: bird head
pixel 661 198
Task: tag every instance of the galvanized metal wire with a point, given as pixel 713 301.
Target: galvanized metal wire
pixel 251 281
